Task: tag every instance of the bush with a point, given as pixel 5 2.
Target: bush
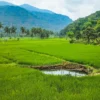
pixel 72 41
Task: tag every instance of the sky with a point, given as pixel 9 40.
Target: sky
pixel 73 8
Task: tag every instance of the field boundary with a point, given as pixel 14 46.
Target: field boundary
pixel 68 65
pixel 43 54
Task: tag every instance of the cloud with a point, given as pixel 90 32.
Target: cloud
pixel 73 8
pixel 82 8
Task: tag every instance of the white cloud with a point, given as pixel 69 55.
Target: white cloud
pixel 72 8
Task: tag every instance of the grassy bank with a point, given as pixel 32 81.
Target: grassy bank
pixel 20 83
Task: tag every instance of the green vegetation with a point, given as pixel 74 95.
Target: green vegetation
pixel 85 29
pixel 33 32
pixel 34 52
pixel 13 51
pixel 20 83
pixel 24 49
pixel 84 54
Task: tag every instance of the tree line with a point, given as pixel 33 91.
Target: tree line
pixel 24 32
pixel 84 29
pixel 89 33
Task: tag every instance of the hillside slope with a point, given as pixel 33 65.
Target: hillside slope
pixel 19 16
pixel 3 3
pixel 82 23
pixel 31 8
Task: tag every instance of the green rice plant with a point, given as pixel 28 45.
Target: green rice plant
pixel 80 53
pixel 18 83
pixel 21 56
pixel 50 51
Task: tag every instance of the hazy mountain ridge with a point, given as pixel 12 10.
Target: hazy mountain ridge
pixel 3 3
pixel 31 8
pixel 19 16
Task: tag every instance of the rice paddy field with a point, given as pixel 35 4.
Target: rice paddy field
pixel 23 83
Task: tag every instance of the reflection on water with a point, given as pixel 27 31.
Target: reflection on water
pixel 63 72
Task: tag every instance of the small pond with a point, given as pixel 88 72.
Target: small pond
pixel 64 72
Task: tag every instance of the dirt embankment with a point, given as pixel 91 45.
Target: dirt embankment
pixel 67 66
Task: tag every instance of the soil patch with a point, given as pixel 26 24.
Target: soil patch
pixel 66 65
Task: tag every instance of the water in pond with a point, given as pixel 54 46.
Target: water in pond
pixel 63 72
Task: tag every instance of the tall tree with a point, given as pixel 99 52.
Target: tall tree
pixel 97 29
pixel 1 26
pixel 70 35
pixel 88 33
pixel 13 30
pixel 23 30
pixel 27 32
pixel 7 30
pixel 33 32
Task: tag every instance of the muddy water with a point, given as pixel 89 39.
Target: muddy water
pixel 64 72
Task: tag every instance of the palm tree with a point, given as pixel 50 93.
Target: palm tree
pixel 7 30
pixel 23 30
pixel 13 30
pixel 27 32
pixel 33 32
pixel 1 26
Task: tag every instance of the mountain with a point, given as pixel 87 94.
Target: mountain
pixel 32 9
pixel 3 3
pixel 48 16
pixel 19 16
pixel 14 15
pixel 82 23
pixel 54 20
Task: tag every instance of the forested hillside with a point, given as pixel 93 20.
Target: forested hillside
pixel 87 28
